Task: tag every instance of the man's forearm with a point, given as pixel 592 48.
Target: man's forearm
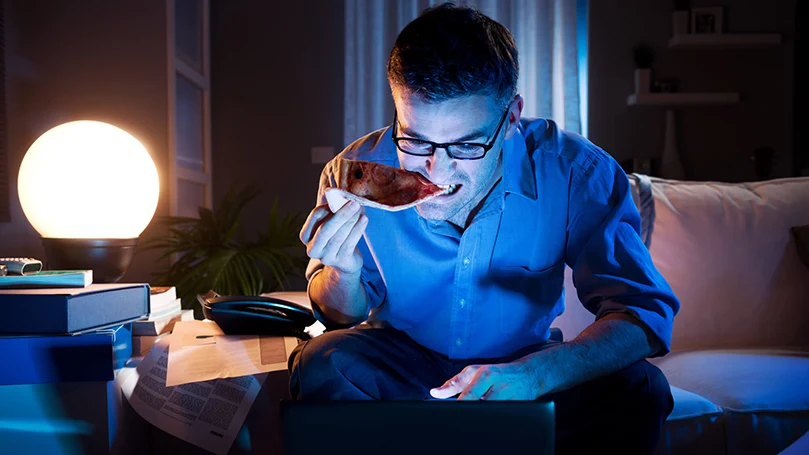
pixel 340 297
pixel 608 345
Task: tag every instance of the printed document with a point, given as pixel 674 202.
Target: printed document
pixel 208 414
pixel 200 352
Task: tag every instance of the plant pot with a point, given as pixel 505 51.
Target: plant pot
pixel 643 80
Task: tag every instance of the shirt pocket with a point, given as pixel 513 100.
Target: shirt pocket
pixel 528 293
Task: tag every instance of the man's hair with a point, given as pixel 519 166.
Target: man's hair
pixel 452 51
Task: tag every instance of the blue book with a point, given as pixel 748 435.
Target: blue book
pixel 71 310
pixel 90 356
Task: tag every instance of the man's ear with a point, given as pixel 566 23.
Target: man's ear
pixel 514 116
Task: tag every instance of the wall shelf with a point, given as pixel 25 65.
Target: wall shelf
pixel 724 41
pixel 682 99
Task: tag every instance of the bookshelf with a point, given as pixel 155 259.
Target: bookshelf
pixel 682 99
pixel 724 41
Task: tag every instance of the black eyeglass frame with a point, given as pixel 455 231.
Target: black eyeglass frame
pixel 434 145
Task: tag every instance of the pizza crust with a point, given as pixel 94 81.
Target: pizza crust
pixel 337 198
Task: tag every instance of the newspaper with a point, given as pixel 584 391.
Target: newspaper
pixel 208 414
pixel 200 352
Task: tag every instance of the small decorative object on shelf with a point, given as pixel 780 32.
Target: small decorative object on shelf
pixel 707 20
pixel 679 18
pixel 665 85
pixel 644 56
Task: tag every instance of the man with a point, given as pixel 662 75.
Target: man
pixel 458 294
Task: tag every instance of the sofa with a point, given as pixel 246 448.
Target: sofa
pixel 739 365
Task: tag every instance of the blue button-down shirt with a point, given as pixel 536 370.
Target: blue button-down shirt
pixel 497 286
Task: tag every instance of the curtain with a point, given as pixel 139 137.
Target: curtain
pixel 550 40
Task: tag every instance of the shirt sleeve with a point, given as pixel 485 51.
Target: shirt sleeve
pixel 612 268
pixel 370 277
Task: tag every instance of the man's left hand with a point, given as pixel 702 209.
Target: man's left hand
pixel 505 381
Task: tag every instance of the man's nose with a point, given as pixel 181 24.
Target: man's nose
pixel 440 166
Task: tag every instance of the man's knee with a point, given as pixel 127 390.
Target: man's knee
pixel 318 352
pixel 317 362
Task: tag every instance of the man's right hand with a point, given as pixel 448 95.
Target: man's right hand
pixel 333 237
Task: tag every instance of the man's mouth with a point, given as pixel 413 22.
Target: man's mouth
pixel 451 189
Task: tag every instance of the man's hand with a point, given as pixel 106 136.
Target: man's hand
pixel 505 381
pixel 333 237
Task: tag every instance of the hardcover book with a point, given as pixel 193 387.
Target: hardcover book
pixel 71 310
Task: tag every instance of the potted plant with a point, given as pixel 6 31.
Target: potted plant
pixel 211 252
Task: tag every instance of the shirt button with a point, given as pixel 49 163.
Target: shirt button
pixel 462 302
pixel 466 262
pixel 458 342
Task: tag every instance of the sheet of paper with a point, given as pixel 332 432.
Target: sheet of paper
pixel 199 351
pixel 208 414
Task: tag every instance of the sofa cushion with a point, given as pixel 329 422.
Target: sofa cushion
pixel 742 380
pixel 689 405
pixel 763 393
pixel 694 426
pixel 727 252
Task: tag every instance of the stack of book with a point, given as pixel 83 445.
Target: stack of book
pixel 165 309
pixel 59 326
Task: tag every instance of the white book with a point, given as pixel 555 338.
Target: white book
pixel 162 298
pixel 159 325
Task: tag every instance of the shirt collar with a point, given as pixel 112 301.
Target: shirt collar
pixel 518 168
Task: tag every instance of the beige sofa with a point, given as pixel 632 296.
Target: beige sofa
pixel 739 366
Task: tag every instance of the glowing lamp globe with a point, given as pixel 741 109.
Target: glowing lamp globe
pixel 89 189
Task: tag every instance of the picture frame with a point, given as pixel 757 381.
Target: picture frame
pixel 707 20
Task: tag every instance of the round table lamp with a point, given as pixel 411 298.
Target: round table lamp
pixel 89 189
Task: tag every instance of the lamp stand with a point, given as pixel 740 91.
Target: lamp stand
pixel 107 258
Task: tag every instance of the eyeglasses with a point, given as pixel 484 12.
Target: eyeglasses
pixel 456 150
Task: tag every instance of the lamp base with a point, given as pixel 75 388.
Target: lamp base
pixel 107 258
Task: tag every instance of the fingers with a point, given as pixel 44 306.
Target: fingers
pixel 313 221
pixel 479 386
pixel 334 246
pixel 456 384
pixel 329 227
pixel 354 235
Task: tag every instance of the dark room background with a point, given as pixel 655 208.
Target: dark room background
pixel 277 90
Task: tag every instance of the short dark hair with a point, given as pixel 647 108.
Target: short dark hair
pixel 452 51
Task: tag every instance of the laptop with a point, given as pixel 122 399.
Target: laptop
pixel 417 427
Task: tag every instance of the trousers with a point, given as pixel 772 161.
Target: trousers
pixel 623 411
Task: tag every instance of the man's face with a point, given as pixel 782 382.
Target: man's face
pixel 473 119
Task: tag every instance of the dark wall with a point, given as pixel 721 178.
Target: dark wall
pixel 93 60
pixel 276 92
pixel 715 143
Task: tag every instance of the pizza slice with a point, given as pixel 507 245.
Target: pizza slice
pixel 380 186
